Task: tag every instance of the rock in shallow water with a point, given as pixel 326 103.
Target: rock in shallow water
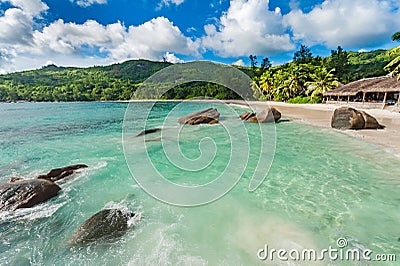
pixel 25 194
pixel 148 131
pixel 350 118
pixel 106 223
pixel 60 173
pixel 207 116
pixel 267 115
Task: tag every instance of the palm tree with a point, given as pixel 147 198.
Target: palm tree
pixel 394 65
pixel 267 83
pixel 296 82
pixel 322 81
pixel 396 36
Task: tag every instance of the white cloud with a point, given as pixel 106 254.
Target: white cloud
pixel 15 27
pixel 248 27
pixel 32 8
pixel 169 2
pixel 22 47
pixel 191 29
pixel 86 3
pixel 149 40
pixel 170 57
pixel 356 23
pixel 16 23
pixel 31 61
pixel 176 2
pixel 68 38
pixel 239 62
pixel 153 38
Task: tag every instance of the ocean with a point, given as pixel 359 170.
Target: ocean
pixel 320 186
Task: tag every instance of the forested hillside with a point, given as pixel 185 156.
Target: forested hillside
pixel 52 83
pixel 306 78
pixel 119 81
pixel 369 64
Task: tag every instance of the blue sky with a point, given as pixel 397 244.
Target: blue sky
pixel 34 33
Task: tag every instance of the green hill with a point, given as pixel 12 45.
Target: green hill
pixel 52 83
pixel 369 64
pixel 119 81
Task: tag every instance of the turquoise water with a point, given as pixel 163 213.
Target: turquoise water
pixel 322 186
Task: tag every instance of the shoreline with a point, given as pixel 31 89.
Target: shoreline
pixel 319 115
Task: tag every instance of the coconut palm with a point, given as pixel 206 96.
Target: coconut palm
pixel 322 81
pixel 396 36
pixel 394 65
pixel 295 84
pixel 267 83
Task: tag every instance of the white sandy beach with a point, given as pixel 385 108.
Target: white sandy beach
pixel 320 115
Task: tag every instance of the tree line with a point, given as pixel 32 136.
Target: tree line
pixel 303 80
pixel 306 78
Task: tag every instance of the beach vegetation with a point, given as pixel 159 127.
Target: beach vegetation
pixel 297 80
pixel 303 55
pixel 306 75
pixel 394 65
pixel 322 81
pixel 339 62
pixel 305 99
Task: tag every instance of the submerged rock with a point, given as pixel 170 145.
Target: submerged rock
pixel 106 223
pixel 350 118
pixel 267 115
pixel 148 131
pixel 60 173
pixel 26 193
pixel 207 116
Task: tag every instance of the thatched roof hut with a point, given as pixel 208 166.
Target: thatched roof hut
pixel 379 84
pixel 374 87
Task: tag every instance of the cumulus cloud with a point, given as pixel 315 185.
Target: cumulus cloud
pixel 68 38
pixel 90 42
pixel 170 57
pixel 153 37
pixel 15 27
pixel 16 23
pixel 365 23
pixel 6 59
pixel 248 27
pixel 32 8
pixel 149 40
pixel 239 62
pixel 86 3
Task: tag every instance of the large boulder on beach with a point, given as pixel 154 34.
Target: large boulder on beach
pixel 26 193
pixel 267 115
pixel 207 116
pixel 350 118
pixel 60 173
pixel 109 223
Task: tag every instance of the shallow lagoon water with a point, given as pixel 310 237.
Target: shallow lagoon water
pixel 322 186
